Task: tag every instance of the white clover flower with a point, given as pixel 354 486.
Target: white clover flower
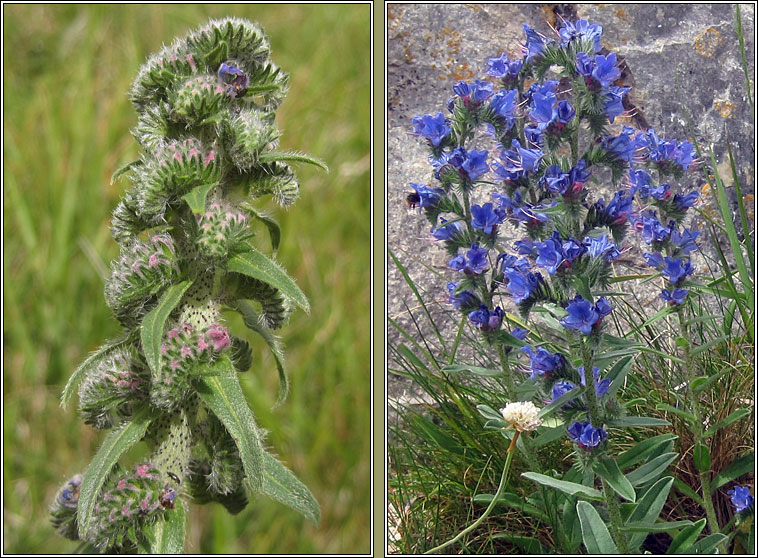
pixel 523 415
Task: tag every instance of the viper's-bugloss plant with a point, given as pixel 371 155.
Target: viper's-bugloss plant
pixel 545 253
pixel 206 124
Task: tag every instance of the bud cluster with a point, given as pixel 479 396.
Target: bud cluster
pixel 219 230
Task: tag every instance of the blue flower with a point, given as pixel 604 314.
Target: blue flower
pixel 542 109
pixel 520 333
pixel 484 218
pixel 555 179
pixel 601 248
pixel 741 498
pixel 543 361
pixel 676 269
pixel 601 386
pixel 605 69
pixel 530 158
pixel 463 299
pixel 685 240
pixel 674 297
pixel 564 112
pixel 585 435
pixel 533 135
pixel 486 320
pixel 478 92
pixel 618 208
pixel 509 262
pixel 525 247
pixel 662 192
pixel 549 255
pixel 446 232
pixel 475 164
pixel 622 146
pixel 572 249
pixel 653 260
pixel 522 285
pixel 640 183
pixel 686 200
pixel 584 64
pixel 428 197
pixel 614 105
pixel 651 228
pixel 582 30
pixel 504 105
pixel 560 388
pixel 475 261
pixel 582 315
pixel 535 43
pixel 663 151
pixel 432 127
pixel 502 67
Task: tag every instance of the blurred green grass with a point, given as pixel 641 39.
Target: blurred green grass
pixel 67 69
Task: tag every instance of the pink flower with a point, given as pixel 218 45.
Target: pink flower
pixel 219 337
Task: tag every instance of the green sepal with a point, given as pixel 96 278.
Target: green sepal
pixel 195 198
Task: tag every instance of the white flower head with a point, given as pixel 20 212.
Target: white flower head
pixel 523 415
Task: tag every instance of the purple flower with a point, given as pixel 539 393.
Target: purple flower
pixel 603 307
pixel 475 261
pixel 502 67
pixel 572 250
pixel 446 232
pixel 741 498
pixel 614 105
pixel 432 127
pixel 582 30
pixel 601 248
pixel 601 386
pixel 486 320
pixel 484 218
pixel 543 361
pixel 504 105
pixel 676 269
pixel 520 333
pixel 585 435
pixel 522 285
pixel 560 388
pixel 462 299
pixel 535 43
pixel 428 197
pixel 674 297
pixel 475 164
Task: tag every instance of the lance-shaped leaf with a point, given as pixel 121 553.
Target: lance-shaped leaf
pixel 272 225
pixel 564 486
pixel 283 486
pixel 166 536
pixel 609 470
pixel 252 320
pixel 595 534
pixel 686 537
pixel 648 508
pixel 259 266
pixel 91 361
pixel 151 332
pixel 116 443
pixel 195 198
pixel 650 470
pixel 291 157
pixel 738 468
pixel 223 395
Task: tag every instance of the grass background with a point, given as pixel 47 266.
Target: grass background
pixel 67 69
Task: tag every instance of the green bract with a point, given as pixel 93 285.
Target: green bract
pixel 206 126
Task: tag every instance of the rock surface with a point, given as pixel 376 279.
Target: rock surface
pixel 680 57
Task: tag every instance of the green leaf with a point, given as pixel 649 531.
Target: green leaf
pixel 166 536
pixel 548 435
pixel 708 346
pixel 195 198
pixel 739 467
pixel 250 318
pixel 660 527
pixel 595 534
pixel 259 266
pixel 638 421
pixel 649 508
pixel 513 501
pixel 650 470
pixel 609 470
pixel 734 417
pixel 618 373
pixel 689 417
pixel 643 449
pixel 291 157
pixel 702 457
pixel 686 537
pixel 706 545
pixel 283 486
pixel 92 360
pixel 115 444
pixel 223 395
pixel 124 169
pixel 563 399
pixel 697 382
pixel 274 232
pixel 458 369
pixel 564 486
pixel 529 545
pixel 151 331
